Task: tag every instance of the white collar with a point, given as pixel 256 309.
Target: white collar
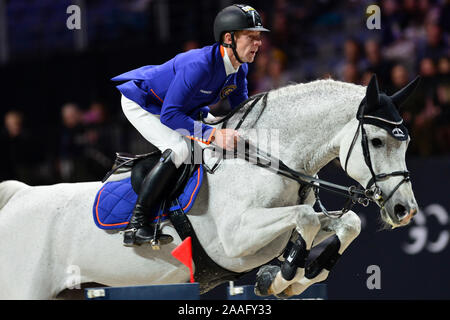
pixel 229 69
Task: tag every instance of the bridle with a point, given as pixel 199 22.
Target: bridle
pixel 353 193
pixel 373 191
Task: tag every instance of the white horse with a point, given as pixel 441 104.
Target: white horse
pixel 244 215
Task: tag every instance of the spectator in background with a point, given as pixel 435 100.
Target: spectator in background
pixel 397 43
pixel 444 69
pixel 352 55
pixel 280 31
pixel 365 78
pixel 412 12
pixel 444 16
pixel 71 165
pixel 351 73
pixel 399 78
pixel 424 110
pixel 259 72
pixel 376 64
pixel 434 46
pixel 428 73
pixel 276 75
pixel 101 140
pixel 393 21
pixel 19 150
pixel 443 102
pixel 442 123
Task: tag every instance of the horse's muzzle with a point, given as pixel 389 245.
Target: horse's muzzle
pixel 404 214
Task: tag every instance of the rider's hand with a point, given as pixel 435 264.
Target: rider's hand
pixel 226 138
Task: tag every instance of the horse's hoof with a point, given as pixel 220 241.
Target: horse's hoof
pixel 264 278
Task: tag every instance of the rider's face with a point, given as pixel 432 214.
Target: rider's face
pixel 247 44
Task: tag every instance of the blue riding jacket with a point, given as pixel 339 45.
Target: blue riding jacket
pixel 181 89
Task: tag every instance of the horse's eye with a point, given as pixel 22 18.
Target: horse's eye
pixel 377 142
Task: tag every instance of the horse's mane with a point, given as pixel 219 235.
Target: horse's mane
pixel 321 85
pixel 313 97
pixel 314 108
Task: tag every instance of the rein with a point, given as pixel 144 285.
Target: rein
pixel 353 194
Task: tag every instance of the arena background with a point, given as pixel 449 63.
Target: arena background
pixel 63 121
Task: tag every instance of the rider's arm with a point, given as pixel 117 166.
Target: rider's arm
pixel 187 82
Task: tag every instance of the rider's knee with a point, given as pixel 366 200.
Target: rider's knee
pixel 180 154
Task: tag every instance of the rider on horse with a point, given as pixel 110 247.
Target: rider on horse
pixel 164 101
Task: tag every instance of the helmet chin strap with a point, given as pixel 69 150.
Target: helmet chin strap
pixel 233 47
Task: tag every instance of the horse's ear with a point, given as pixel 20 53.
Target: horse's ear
pixel 400 96
pixel 372 94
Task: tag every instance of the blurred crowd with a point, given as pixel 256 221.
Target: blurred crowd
pixel 82 148
pixel 308 40
pixel 413 40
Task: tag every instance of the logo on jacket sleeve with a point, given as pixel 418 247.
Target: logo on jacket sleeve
pixel 227 90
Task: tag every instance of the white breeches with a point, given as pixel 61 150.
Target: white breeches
pixel 151 128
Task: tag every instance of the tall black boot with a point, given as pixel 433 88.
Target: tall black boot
pixel 139 229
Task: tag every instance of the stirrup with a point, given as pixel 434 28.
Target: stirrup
pixel 129 239
pixel 157 242
pixel 128 230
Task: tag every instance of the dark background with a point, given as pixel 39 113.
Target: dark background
pixel 44 66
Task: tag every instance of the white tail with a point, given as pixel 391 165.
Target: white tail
pixel 8 189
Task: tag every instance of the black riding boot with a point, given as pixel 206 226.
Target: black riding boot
pixel 139 229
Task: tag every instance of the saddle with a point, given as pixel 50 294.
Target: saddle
pixel 140 166
pixel 115 200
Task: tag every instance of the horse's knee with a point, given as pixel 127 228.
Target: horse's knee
pixel 350 226
pixel 308 223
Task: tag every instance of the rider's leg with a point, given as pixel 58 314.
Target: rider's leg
pixel 150 127
pixel 175 153
pixel 139 229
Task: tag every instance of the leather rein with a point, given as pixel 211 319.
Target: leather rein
pixel 354 194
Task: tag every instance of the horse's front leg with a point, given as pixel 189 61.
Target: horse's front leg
pixel 243 234
pixel 273 279
pixel 346 229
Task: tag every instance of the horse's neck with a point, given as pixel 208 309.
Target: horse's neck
pixel 310 118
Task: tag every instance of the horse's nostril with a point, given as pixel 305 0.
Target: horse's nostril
pixel 400 211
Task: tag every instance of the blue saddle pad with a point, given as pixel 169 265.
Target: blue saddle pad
pixel 114 202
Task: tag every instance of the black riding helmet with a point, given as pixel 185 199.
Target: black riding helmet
pixel 236 17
